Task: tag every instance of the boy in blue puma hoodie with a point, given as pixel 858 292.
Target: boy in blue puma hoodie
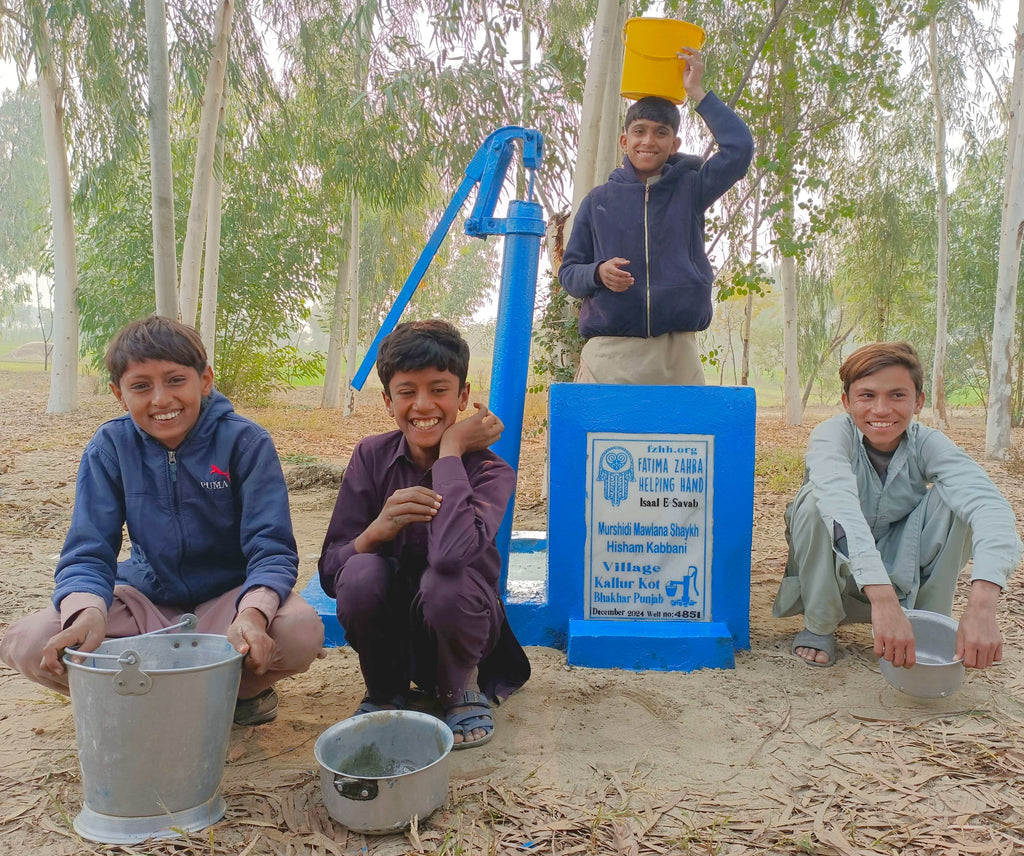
pixel 636 253
pixel 203 496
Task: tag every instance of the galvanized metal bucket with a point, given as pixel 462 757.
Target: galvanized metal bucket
pixel 152 718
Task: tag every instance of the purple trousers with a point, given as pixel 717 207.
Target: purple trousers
pixel 433 629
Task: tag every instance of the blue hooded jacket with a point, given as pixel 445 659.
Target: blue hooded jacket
pixel 203 519
pixel 659 227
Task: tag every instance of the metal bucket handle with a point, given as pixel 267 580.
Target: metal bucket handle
pixel 362 790
pixel 131 680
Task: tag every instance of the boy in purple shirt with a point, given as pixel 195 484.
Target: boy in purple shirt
pixel 410 553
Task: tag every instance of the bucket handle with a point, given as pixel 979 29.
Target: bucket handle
pixel 654 56
pixel 187 622
pixel 362 790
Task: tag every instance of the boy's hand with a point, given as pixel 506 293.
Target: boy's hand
pixel 417 504
pixel 613 277
pixel 894 637
pixel 693 74
pixel 978 640
pixel 248 635
pixel 473 434
pixel 85 633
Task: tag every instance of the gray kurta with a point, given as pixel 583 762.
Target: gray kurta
pixel 916 531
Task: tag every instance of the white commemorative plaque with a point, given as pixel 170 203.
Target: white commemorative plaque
pixel 649 522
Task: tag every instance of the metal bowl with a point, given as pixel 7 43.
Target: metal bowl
pixel 936 674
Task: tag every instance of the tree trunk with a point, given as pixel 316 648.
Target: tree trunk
pixel 42 324
pixel 64 375
pixel 211 264
pixel 597 149
pixel 352 274
pixel 165 262
pixel 748 309
pixel 997 427
pixel 787 272
pixel 838 338
pixel 793 412
pixel 599 68
pixel 202 179
pixel 330 398
pixel 609 152
pixel 942 252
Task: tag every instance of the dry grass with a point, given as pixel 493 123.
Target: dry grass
pixel 823 773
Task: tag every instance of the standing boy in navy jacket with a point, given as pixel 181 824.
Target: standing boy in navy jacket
pixel 201 491
pixel 636 253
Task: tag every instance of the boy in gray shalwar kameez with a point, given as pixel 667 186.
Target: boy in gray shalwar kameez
pixel 887 517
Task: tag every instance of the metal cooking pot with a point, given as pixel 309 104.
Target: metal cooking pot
pixel 379 770
pixel 936 674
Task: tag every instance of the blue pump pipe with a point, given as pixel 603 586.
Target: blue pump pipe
pixel 523 227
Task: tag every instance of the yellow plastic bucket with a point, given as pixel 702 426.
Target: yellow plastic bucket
pixel 650 65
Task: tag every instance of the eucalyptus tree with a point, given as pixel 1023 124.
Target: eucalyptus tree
pixel 942 221
pixel 997 428
pixel 202 177
pixel 975 208
pixel 270 261
pixel 831 66
pixel 887 246
pixel 24 207
pixel 950 43
pixel 399 109
pixel 165 258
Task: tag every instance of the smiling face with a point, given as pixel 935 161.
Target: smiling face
pixel 163 398
pixel 883 404
pixel 648 145
pixel 425 403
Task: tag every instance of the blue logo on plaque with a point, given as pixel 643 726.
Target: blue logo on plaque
pixel 616 471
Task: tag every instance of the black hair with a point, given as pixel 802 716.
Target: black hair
pixel 654 109
pixel 418 345
pixel 154 338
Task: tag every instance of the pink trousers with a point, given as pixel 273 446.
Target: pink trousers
pixel 296 629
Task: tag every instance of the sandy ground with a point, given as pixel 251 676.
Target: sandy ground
pixel 772 757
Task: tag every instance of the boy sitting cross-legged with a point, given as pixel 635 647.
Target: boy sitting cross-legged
pixel 410 551
pixel 204 499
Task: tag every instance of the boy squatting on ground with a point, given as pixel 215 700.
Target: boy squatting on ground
pixel 205 502
pixel 636 254
pixel 410 551
pixel 886 519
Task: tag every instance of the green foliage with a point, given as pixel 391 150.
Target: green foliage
pixel 247 373
pixel 24 203
pixel 741 282
pixel 269 264
pixel 557 336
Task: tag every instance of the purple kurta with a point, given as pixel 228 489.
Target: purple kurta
pixel 426 606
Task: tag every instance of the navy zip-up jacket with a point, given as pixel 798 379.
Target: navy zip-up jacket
pixel 203 519
pixel 660 229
